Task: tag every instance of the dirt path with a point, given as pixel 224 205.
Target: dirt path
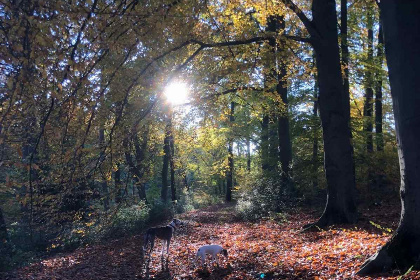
pixel 269 249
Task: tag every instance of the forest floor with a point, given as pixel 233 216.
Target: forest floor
pixel 267 249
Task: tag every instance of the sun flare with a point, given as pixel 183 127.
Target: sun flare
pixel 176 92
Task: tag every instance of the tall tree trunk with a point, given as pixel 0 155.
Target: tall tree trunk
pixel 401 23
pixel 104 184
pixel 137 164
pixel 345 49
pixel 264 143
pixel 378 91
pixel 283 131
pixel 315 136
pixel 283 126
pixel 335 117
pixel 248 154
pixel 185 179
pixel 273 143
pixel 4 243
pixel 171 160
pixel 230 157
pixel 3 229
pixel 368 107
pixel 345 57
pixel 118 184
pixel 165 167
pixel 334 110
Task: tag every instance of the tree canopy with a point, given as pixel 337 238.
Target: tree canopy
pixel 289 105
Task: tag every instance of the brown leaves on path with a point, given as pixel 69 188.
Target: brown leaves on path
pixel 262 250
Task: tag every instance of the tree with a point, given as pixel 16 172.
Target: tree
pixel 265 159
pixel 378 91
pixel 402 41
pixel 171 159
pixel 277 24
pixel 345 47
pixel 165 166
pixel 334 111
pixel 368 106
pixel 137 164
pixel 315 128
pixel 104 184
pixel 229 174
pixel 4 242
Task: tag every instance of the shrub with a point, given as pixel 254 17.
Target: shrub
pixel 259 197
pixel 131 218
pixel 161 210
pixel 185 203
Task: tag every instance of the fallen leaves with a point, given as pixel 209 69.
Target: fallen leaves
pixel 262 250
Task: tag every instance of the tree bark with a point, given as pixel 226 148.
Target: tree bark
pixel 345 48
pixel 118 185
pixel 402 44
pixel 283 130
pixel 104 184
pixel 248 153
pixel 264 143
pixel 171 160
pixel 334 110
pixel 335 118
pixel 3 229
pixel 368 106
pixel 230 157
pixel 165 167
pixel 137 164
pixel 378 92
pixel 315 136
pixel 4 243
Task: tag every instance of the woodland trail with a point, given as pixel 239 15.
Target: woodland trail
pixel 268 249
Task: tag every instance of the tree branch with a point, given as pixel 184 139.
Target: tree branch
pixel 231 43
pixel 303 18
pixel 217 94
pixel 297 38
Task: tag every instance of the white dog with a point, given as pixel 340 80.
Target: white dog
pixel 212 250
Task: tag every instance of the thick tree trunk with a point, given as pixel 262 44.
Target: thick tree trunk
pixel 335 117
pixel 368 106
pixel 229 176
pixel 378 92
pixel 401 23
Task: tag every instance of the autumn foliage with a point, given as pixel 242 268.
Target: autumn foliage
pixel 269 249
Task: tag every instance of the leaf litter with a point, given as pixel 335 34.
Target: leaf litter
pixel 266 249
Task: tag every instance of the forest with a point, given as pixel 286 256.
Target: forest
pixel 286 131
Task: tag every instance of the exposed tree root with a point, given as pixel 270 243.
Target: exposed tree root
pixel 401 253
